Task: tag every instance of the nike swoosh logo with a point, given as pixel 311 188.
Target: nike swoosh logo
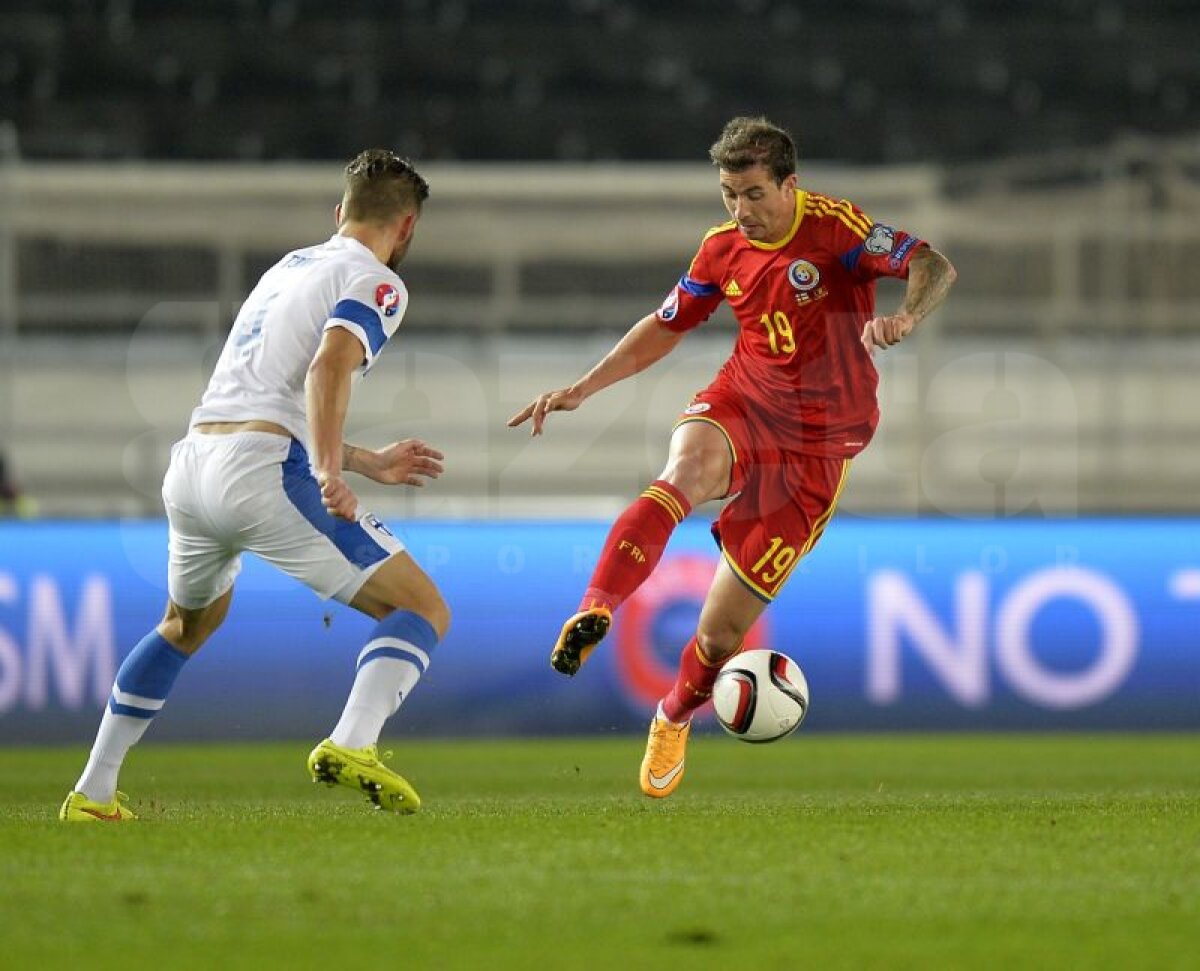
pixel 114 816
pixel 661 782
pixel 346 756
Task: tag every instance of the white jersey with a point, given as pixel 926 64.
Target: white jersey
pixel 261 372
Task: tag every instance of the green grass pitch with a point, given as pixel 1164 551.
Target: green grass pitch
pixel 1051 851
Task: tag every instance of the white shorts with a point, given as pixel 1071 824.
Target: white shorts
pixel 255 491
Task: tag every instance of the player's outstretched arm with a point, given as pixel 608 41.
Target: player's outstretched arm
pixel 646 342
pixel 407 462
pixel 930 276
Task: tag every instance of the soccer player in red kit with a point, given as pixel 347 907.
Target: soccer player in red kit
pixel 777 427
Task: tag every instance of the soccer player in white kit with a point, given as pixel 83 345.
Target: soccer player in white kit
pixel 261 469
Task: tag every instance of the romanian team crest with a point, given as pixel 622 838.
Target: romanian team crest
pixel 803 275
pixel 880 241
pixel 387 299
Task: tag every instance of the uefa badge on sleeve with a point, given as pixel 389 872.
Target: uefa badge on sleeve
pixel 881 240
pixel 387 299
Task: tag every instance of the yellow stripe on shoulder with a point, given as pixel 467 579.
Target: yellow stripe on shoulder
pixel 848 217
pixel 861 218
pixel 846 208
pixel 723 228
pixel 852 225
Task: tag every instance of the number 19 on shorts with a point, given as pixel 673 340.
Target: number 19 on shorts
pixel 774 562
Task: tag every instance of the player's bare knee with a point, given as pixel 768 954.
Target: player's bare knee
pixel 433 609
pixel 719 645
pixel 437 612
pixel 187 630
pixel 698 474
pixel 427 604
pixel 185 636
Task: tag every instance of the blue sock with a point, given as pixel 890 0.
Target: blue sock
pixel 143 682
pixel 397 653
pixel 145 677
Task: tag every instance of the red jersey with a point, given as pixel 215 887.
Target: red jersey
pixel 801 304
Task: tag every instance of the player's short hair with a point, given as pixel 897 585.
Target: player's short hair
pixel 381 185
pixel 753 141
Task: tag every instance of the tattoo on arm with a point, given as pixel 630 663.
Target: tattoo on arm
pixel 929 278
pixel 348 452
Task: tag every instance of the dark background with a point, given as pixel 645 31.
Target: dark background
pixel 870 81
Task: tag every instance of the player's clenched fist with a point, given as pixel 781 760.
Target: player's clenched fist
pixel 338 497
pixel 886 331
pixel 564 399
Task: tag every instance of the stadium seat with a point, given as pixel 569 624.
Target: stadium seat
pixel 547 80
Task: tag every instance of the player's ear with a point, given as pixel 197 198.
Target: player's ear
pixel 408 226
pixel 789 184
pixel 337 214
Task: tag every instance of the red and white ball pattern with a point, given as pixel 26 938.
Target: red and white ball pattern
pixel 760 696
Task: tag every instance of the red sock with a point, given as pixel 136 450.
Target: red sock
pixel 635 544
pixel 694 685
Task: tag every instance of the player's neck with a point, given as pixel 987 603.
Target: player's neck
pixel 374 238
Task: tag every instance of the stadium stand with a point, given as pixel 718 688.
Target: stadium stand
pixel 1046 147
pixel 1059 379
pixel 877 81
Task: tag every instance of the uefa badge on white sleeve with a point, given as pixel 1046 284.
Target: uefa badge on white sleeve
pixel 760 696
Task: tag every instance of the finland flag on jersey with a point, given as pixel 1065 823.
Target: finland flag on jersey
pixel 261 371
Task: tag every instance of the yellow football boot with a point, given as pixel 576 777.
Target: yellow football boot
pixel 662 767
pixel 362 769
pixel 78 808
pixel 578 638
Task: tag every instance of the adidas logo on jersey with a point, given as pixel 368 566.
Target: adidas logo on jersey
pixel 732 289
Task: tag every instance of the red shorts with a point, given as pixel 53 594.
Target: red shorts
pixel 781 500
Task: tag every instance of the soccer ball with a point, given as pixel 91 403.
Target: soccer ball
pixel 760 696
